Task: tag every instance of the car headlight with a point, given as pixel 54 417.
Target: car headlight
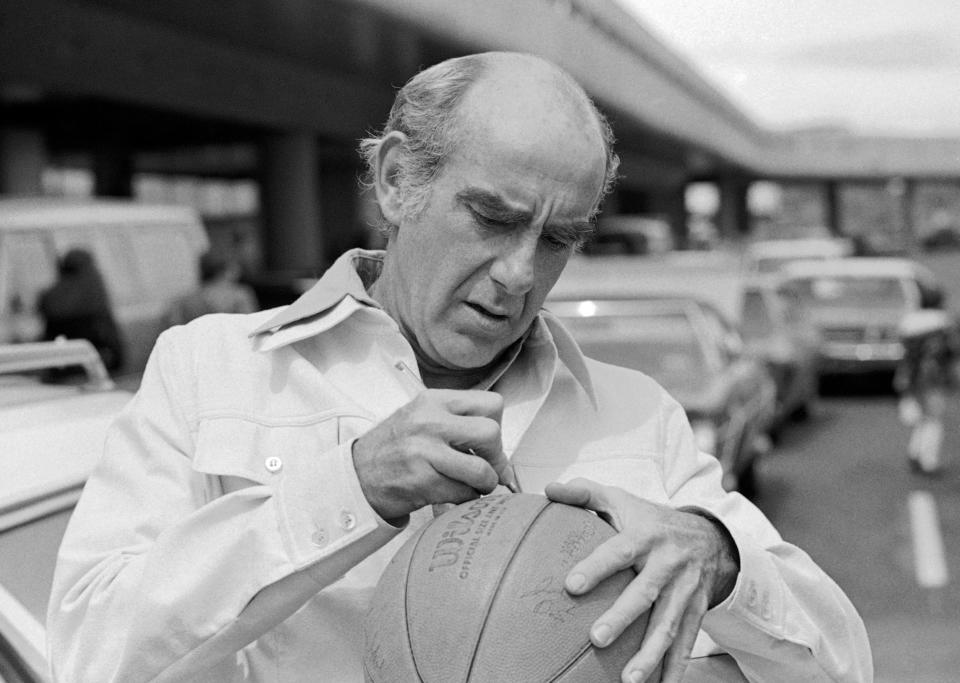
pixel 705 435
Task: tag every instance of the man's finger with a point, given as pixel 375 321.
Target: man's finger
pixel 608 558
pixel 678 656
pixel 636 600
pixel 465 468
pixel 476 435
pixel 580 492
pixel 469 402
pixel 663 628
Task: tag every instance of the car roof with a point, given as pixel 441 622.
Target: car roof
pixel 51 213
pixel 711 277
pixel 620 305
pixel 50 435
pixel 857 266
pixel 799 248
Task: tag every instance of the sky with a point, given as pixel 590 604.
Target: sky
pixel 889 67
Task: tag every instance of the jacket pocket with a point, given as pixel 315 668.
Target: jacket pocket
pixel 242 452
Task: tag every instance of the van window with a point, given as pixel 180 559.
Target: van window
pixel 168 261
pixel 29 264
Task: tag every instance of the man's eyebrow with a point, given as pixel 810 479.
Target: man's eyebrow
pixel 493 206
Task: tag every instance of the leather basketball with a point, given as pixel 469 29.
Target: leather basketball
pixel 477 595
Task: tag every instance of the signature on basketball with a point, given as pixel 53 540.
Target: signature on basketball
pixel 553 602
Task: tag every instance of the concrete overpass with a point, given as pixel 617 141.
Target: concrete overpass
pixel 280 90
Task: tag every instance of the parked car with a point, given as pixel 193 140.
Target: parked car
pixel 857 304
pixel 769 256
pixel 147 254
pixel 690 348
pixel 51 437
pixel 777 328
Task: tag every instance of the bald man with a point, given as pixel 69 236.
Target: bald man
pixel 272 463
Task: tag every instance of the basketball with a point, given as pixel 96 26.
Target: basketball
pixel 477 595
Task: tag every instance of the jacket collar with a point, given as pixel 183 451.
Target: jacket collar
pixel 343 279
pixel 342 291
pixel 568 351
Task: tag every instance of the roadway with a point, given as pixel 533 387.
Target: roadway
pixel 838 486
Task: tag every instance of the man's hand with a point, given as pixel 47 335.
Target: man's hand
pixel 442 447
pixel 685 564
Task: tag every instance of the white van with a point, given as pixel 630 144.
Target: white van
pixel 147 254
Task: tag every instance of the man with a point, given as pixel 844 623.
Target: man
pixel 924 376
pixel 271 464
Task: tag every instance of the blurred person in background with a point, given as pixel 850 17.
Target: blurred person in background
pixel 271 464
pixel 77 306
pixel 927 372
pixel 219 292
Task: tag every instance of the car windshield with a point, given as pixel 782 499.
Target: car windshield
pixel 852 292
pixel 662 345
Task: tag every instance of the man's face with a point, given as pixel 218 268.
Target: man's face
pixel 473 267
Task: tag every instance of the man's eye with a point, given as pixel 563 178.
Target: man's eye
pixel 555 243
pixel 489 222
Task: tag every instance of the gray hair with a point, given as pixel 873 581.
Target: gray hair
pixel 426 111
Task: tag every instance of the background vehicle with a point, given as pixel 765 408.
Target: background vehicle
pixel 857 304
pixel 147 254
pixel 697 356
pixel 50 439
pixel 768 256
pixel 778 329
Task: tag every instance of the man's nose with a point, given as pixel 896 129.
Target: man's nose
pixel 514 268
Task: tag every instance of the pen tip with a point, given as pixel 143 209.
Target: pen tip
pixel 509 479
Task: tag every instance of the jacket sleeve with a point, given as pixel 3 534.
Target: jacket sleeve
pixel 164 575
pixel 785 619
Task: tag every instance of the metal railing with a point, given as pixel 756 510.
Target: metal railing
pixel 56 354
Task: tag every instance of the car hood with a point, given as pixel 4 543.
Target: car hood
pixel 704 397
pixel 53 445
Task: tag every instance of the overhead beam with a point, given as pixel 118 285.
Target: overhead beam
pixel 85 48
pixel 624 67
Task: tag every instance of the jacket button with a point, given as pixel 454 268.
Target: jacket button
pixel 319 537
pixel 273 464
pixel 347 520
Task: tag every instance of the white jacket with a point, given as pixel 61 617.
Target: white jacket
pixel 224 535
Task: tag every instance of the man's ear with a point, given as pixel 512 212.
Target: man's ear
pixel 385 179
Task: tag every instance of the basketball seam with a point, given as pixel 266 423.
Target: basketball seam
pixel 406 607
pixel 496 591
pixel 574 661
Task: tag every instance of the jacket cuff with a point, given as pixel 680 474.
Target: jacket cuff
pixel 757 597
pixel 322 512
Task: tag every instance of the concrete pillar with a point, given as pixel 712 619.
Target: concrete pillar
pixel 290 203
pixel 831 202
pixel 671 204
pixel 908 228
pixel 733 216
pixel 343 228
pixel 23 155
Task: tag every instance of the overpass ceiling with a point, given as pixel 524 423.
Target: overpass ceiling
pixel 173 73
pixel 331 67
